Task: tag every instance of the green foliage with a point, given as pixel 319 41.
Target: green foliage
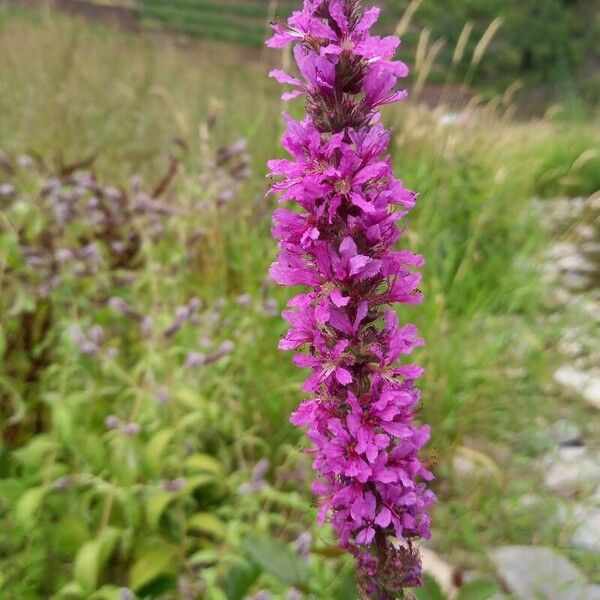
pixel 430 590
pixel 121 471
pixel 274 558
pixel 477 589
pixel 540 42
pixel 226 23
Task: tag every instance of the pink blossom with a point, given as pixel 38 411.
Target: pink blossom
pixel 340 242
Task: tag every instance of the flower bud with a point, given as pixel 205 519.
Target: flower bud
pixel 194 304
pixel 130 429
pixel 24 161
pixel 244 300
pixel 303 544
pixel 126 594
pixel 174 485
pixel 147 326
pixel 7 191
pixel 112 422
pixel 163 395
pixel 194 360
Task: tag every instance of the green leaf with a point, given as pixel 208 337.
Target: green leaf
pixel 28 505
pixel 193 483
pixel 25 302
pixel 277 559
pixel 158 502
pixel 87 566
pixel 2 342
pixel 207 523
pixel 156 566
pixel 204 558
pixel 10 249
pixel 290 500
pixel 203 463
pixel 62 420
pixel 71 591
pixel 431 590
pixel 70 533
pixel 126 499
pixel 239 580
pixel 31 455
pixel 108 540
pixel 345 587
pixel 157 447
pixel 189 398
pixel 92 557
pixel 107 592
pixel 478 589
pixel 215 593
pixel 159 586
pixel 156 506
pixel 91 449
pixel 191 420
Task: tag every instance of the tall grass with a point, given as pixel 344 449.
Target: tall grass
pixel 70 89
pixel 128 103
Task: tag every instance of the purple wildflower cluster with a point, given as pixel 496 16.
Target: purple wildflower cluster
pixel 340 243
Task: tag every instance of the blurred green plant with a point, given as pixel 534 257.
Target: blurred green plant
pixel 145 441
pixel 120 477
pixel 539 42
pixel 571 166
pixel 476 589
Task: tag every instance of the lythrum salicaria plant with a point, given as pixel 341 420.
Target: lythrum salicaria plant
pixel 341 244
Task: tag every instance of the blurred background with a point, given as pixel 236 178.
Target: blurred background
pixel 145 448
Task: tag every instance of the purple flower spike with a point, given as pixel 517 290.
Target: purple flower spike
pixel 340 243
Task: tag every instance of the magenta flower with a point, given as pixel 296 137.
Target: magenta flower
pixel 340 242
pixel 302 26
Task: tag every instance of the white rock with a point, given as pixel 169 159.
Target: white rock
pixel 593 202
pixel 565 432
pixel 572 453
pixel 591 248
pixel 532 572
pixel 586 536
pixel 569 514
pixel 576 263
pixel 585 384
pixel 592 392
pixel 575 281
pixel 561 296
pixel 585 232
pixel 592 309
pixel 572 343
pixel 463 466
pixel 529 501
pixel 561 249
pixel 571 348
pixel 574 472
